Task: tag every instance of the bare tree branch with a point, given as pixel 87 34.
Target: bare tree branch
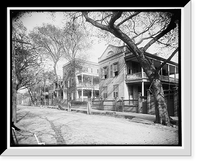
pixel 114 30
pixel 103 18
pixel 20 41
pixel 115 16
pixel 167 60
pixel 126 19
pixel 171 26
pixel 88 19
pixel 147 29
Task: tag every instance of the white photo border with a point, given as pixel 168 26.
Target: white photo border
pixel 186 110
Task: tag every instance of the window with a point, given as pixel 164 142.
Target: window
pixel 110 53
pixel 66 85
pixel 72 81
pixel 115 69
pixel 115 91
pixel 129 67
pixel 79 78
pixel 89 70
pixel 104 91
pixel 105 72
pixel 95 80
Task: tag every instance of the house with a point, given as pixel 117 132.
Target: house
pixel 80 80
pixel 122 77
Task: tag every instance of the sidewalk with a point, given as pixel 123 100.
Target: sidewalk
pixel 136 117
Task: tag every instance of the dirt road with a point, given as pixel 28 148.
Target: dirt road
pixel 56 127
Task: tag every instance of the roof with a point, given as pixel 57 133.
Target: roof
pixel 85 62
pixel 110 51
pixel 153 56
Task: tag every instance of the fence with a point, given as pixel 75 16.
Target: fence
pixel 116 105
pixel 171 101
pixel 141 105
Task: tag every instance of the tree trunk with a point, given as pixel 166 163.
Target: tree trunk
pixel 162 115
pixel 14 87
pixel 151 72
pixel 14 103
pixel 32 99
pixel 54 67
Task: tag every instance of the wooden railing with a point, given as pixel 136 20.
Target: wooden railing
pixel 169 79
pixel 87 85
pixel 138 76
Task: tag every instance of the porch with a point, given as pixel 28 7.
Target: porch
pixel 85 94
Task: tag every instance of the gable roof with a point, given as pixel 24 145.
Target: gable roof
pixel 110 51
pixel 129 54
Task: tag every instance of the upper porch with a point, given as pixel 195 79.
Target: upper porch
pixel 134 72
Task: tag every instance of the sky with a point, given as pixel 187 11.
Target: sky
pixel 34 19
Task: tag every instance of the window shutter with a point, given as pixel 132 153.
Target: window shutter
pixel 111 71
pixel 100 73
pixel 107 68
pixel 118 67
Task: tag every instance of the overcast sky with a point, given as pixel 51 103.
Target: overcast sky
pixel 34 19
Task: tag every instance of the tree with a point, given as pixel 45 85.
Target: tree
pixel 48 41
pixel 146 29
pixel 42 81
pixel 75 42
pixel 25 61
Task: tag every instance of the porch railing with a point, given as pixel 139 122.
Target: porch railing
pixel 87 85
pixel 138 76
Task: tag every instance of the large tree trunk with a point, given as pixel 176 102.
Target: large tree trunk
pixel 54 67
pixel 151 72
pixel 33 100
pixel 161 112
pixel 14 87
pixel 14 103
pixel 162 115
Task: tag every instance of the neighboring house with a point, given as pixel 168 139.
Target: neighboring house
pixel 82 84
pixel 122 77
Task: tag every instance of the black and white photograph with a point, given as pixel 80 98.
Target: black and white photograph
pixel 95 77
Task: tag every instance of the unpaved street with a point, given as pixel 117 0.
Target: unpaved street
pixel 58 127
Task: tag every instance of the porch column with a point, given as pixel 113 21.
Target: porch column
pixel 92 94
pixel 168 71
pixel 142 71
pixel 175 73
pixel 142 88
pixel 82 94
pixel 148 101
pixel 77 96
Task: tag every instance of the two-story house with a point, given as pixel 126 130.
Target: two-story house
pixel 123 77
pixel 82 82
